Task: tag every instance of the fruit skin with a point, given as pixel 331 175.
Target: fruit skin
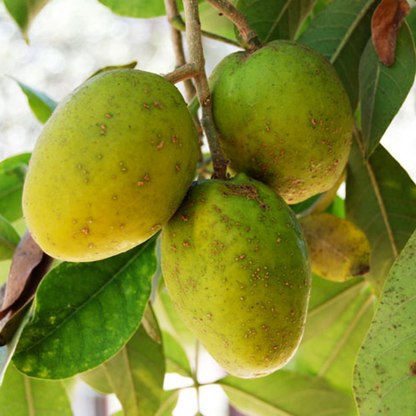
pixel 284 116
pixel 236 265
pixel 111 166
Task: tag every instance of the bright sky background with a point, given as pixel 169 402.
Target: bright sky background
pixel 70 40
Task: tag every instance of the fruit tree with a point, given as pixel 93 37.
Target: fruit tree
pixel 248 215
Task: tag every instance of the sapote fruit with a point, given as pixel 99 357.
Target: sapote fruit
pixel 284 116
pixel 110 167
pixel 237 269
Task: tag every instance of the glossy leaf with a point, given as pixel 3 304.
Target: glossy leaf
pixel 340 32
pixel 85 313
pixel 21 395
pixel 332 355
pixel 41 105
pixel 339 250
pixel 9 239
pixel 176 359
pixel 12 175
pixel 383 89
pixel 385 372
pixel 272 19
pixel 23 12
pixel 381 201
pixel 287 393
pixel 328 301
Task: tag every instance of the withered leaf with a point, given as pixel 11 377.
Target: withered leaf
pixel 29 265
pixel 385 25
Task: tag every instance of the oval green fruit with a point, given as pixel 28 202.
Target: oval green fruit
pixel 111 166
pixel 236 265
pixel 285 118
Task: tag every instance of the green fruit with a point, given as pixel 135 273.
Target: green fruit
pixel 285 118
pixel 236 266
pixel 111 166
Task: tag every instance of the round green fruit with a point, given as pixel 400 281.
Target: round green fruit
pixel 285 118
pixel 236 265
pixel 110 167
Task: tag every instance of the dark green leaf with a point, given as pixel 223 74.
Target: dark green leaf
pixel 9 239
pixel 12 175
pixel 85 313
pixel 381 200
pixel 383 89
pixel 332 355
pixel 276 19
pixel 287 393
pixel 340 32
pixel 385 372
pixel 41 105
pixel 411 21
pixel 21 395
pixel 24 11
pixel 176 359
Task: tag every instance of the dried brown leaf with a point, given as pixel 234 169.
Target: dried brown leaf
pixel 385 25
pixel 29 265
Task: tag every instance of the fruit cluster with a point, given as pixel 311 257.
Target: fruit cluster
pixel 114 163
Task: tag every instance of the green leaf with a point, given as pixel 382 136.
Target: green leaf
pixel 339 250
pixel 85 313
pixel 136 8
pixel 337 207
pixel 331 356
pixel 340 32
pixel 176 359
pixel 276 19
pixel 41 105
pixel 12 175
pixel 411 21
pixel 286 393
pixel 9 239
pixel 21 395
pixel 24 11
pixel 213 22
pixel 328 301
pixel 130 65
pixel 169 401
pixel 381 200
pixel 7 351
pixel 383 89
pixel 385 372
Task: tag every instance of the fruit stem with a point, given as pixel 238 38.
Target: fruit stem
pixel 197 61
pixel 249 36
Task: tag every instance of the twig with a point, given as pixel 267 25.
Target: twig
pixel 178 23
pixel 196 58
pixel 182 73
pixel 248 35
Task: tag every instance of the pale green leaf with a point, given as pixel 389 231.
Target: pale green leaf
pixel 383 89
pixel 176 359
pixel 340 32
pixel 286 393
pixel 12 175
pixel 85 313
pixel 169 401
pixel 381 201
pixel 41 105
pixel 385 373
pixel 9 239
pixel 24 11
pixel 21 395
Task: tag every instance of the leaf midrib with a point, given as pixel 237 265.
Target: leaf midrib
pixel 76 310
pixel 277 21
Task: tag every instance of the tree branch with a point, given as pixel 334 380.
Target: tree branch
pixel 248 35
pixel 196 58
